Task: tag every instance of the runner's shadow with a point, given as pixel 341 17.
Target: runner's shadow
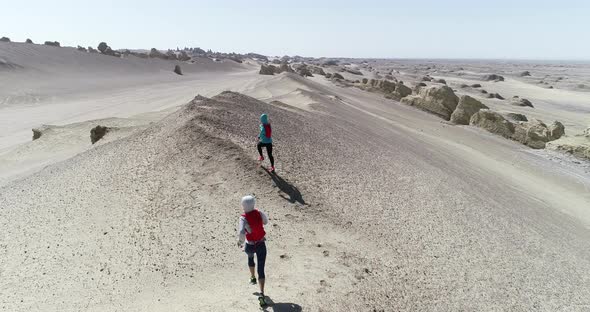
pixel 291 190
pixel 279 306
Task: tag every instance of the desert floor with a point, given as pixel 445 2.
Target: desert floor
pixel 375 206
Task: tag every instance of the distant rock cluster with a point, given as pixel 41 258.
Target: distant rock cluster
pixel 183 55
pixel 392 88
pixel 442 101
pixel 493 77
pixel 52 43
pixel 303 70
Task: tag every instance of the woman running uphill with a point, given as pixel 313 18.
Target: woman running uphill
pixel 251 228
pixel 265 140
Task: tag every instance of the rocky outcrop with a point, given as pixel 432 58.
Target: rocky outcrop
pixel 493 77
pixel 177 69
pixel 170 55
pixel 556 131
pixel 383 85
pixel 28 41
pixel 401 91
pixel 140 55
pixel 111 52
pixel 492 122
pixel 92 50
pixel 4 39
pixel 267 69
pixel 304 71
pixel 98 133
pixel 495 96
pixel 438 100
pixel 578 146
pixel 465 109
pixel 183 56
pixel 154 53
pixel 52 43
pixel 352 71
pixel 317 70
pixel 285 68
pixel 517 101
pixel 516 117
pixel 536 134
pixel 37 133
pixel 102 47
pixel 257 56
pixel 476 85
pixel 81 49
pixel 328 75
pixel 336 76
pixel 533 133
pixel 524 73
pixel 232 58
pixel 441 81
pixel 426 78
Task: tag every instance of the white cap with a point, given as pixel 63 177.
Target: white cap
pixel 248 203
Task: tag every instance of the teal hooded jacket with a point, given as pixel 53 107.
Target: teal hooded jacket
pixel 265 135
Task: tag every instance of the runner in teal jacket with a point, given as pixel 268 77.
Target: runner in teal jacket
pixel 265 140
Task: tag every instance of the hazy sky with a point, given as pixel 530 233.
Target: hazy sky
pixel 530 29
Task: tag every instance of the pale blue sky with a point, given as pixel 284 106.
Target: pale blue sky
pixel 522 29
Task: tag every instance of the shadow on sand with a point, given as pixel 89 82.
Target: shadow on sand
pixel 279 306
pixel 287 188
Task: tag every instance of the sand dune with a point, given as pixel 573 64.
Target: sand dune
pixel 62 85
pixel 375 205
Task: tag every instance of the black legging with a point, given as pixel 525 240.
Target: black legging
pixel 268 151
pixel 258 248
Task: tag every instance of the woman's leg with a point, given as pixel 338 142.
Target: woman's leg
pixel 261 258
pixel 269 152
pixel 259 147
pixel 250 252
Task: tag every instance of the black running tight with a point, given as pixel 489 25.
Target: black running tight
pixel 259 249
pixel 268 151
